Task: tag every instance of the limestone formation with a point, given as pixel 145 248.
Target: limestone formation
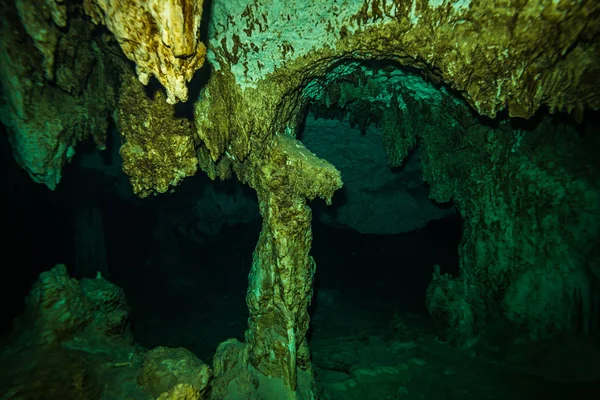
pixel 162 37
pixel 58 83
pixel 530 202
pixel 157 147
pixel 72 342
pixel 496 54
pixel 59 308
pixel 483 56
pixel 282 273
pixel 509 185
pixel 181 391
pixel 42 22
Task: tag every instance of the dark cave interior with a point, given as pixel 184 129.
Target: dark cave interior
pixel 186 286
pixel 191 293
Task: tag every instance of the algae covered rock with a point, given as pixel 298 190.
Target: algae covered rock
pixel 56 308
pixel 158 147
pixel 60 308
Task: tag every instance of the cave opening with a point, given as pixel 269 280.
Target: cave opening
pixel 376 246
pixel 182 259
pixel 383 235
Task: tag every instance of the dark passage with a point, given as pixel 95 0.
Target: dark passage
pixel 386 272
pixel 183 292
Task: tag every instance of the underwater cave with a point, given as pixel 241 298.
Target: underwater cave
pixel 329 200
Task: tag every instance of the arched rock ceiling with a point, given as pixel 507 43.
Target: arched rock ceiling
pixel 515 55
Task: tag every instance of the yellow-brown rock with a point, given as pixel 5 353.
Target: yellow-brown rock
pixel 169 373
pixel 158 148
pixel 515 55
pixel 162 37
pixel 181 391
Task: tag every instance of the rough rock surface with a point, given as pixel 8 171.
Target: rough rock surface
pixel 60 307
pixel 530 201
pixel 72 342
pixel 267 66
pixel 516 189
pixel 181 391
pixel 275 354
pixel 58 85
pixel 497 54
pixel 174 370
pixel 42 22
pixel 56 308
pixel 162 37
pixel 157 147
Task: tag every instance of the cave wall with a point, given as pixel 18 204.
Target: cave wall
pixel 532 227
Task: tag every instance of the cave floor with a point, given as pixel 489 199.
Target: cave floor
pixel 359 353
pixel 370 336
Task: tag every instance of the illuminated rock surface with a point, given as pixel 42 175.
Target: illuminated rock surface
pixel 162 37
pixel 165 370
pixel 157 148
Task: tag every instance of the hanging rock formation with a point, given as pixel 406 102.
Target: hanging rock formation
pixel 157 148
pixel 353 133
pixel 59 83
pixel 162 37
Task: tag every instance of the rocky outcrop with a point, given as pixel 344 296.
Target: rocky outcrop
pixel 43 21
pixel 73 341
pixel 165 369
pixel 530 200
pixel 60 309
